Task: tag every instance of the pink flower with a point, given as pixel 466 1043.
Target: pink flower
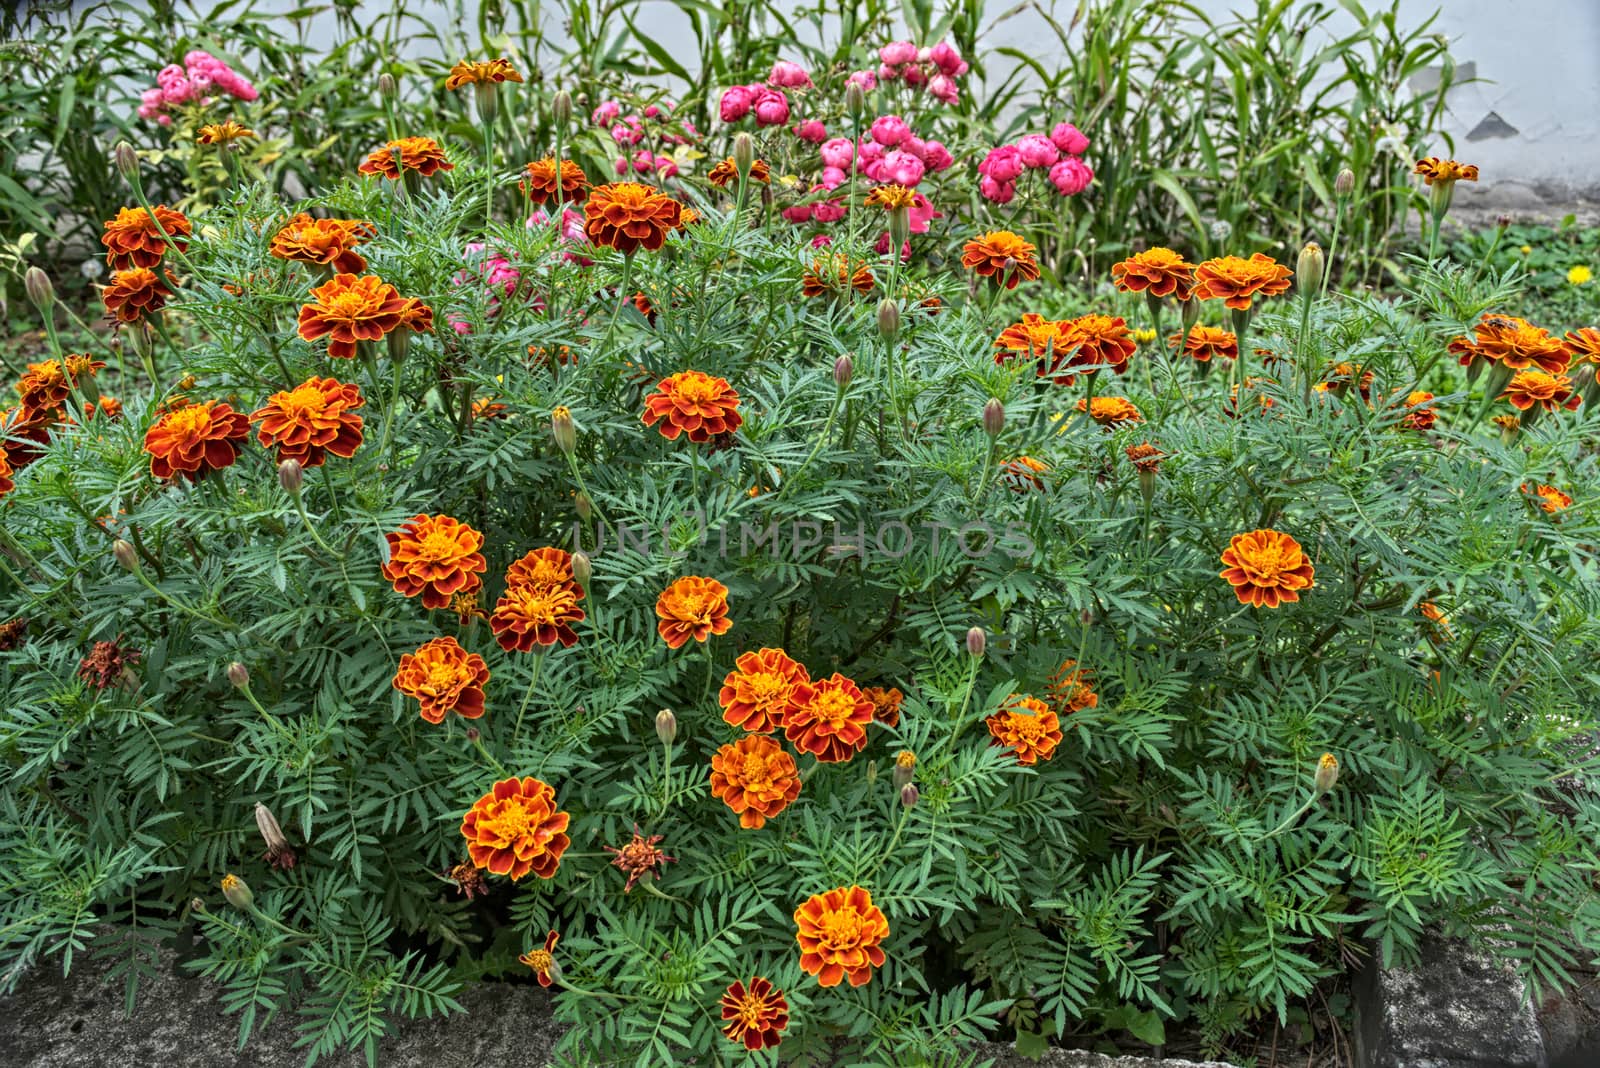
pixel 789 76
pixel 834 177
pixel 821 241
pixel 836 152
pixel 736 103
pixel 936 156
pixel 889 130
pixel 1071 176
pixel 864 78
pixel 869 153
pixel 772 109
pixel 914 75
pixel 883 247
pixel 622 165
pixel 922 214
pixel 898 53
pixel 644 161
pixel 1036 150
pixel 1003 164
pixel 945 56
pixel 666 166
pixel 828 211
pixel 606 113
pixel 887 73
pixel 998 192
pixel 943 88
pixel 165 120
pixel 811 130
pixel 1067 138
pixel 902 168
pixel 628 132
pixel 797 213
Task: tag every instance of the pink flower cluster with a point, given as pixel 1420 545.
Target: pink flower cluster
pixel 888 152
pixel 1060 154
pixel 201 75
pixel 936 68
pixel 769 104
pixel 572 232
pixel 494 271
pixel 653 122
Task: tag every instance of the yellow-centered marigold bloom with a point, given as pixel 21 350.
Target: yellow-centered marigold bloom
pixel 543 959
pixel 760 691
pixel 1436 615
pixel 1237 282
pixel 692 607
pixel 133 238
pixel 350 308
pixel 726 173
pixel 755 778
pixel 1551 392
pixel 1205 343
pixel 891 196
pixel 1071 688
pixel 1111 411
pixel 885 702
pixel 325 242
pixel 1157 272
pixel 1550 499
pixel 490 72
pixel 48 383
pixel 1145 457
pixel 829 719
pixel 1028 727
pixel 420 154
pixel 1036 338
pixel 314 419
pixel 695 404
pixel 835 272
pixel 1435 170
pixel 1513 343
pixel 840 933
pixel 628 216
pixel 1097 341
pixel 542 179
pixel 195 440
pixel 1024 473
pixel 515 828
pixel 1418 415
pixel 756 1014
pixel 1584 344
pixel 1266 568
pixel 1002 257
pixel 540 602
pixel 7 484
pixel 435 556
pixel 223 133
pixel 134 294
pixel 444 678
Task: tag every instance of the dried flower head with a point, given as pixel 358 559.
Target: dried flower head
pixel 106 663
pixel 640 857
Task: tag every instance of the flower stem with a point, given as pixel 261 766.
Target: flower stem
pixel 538 662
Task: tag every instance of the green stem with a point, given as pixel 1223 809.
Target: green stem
pixel 538 662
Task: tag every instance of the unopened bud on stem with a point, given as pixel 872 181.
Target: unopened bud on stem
pixel 744 152
pixel 239 675
pixel 844 368
pixel 582 569
pixel 127 161
pixel 994 417
pixel 855 100
pixel 1327 774
pixel 1308 269
pixel 237 892
pixel 909 795
pixel 666 726
pixel 39 289
pixel 888 318
pixel 1345 183
pixel 122 551
pixel 387 86
pixel 976 641
pixel 562 430
pixel 290 476
pixel 561 109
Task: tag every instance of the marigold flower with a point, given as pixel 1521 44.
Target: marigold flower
pixel 133 238
pixel 1549 391
pixel 1205 343
pixel 47 384
pixel 760 691
pixel 325 242
pixel 628 216
pixel 350 308
pixel 223 133
pixel 1236 282
pixel 755 778
pixel 1584 343
pixel 540 602
pixel 1095 341
pixel 313 419
pixel 7 482
pixel 1036 338
pixel 1550 499
pixel 491 72
pixel 435 556
pixel 1145 457
pixel 196 440
pixel 444 678
pixel 515 828
pixel 420 154
pixel 726 173
pixel 1001 256
pixel 836 273
pixel 135 293
pixel 840 932
pixel 1022 474
pixel 692 607
pixel 13 632
pixel 1028 727
pixel 1071 688
pixel 106 662
pixel 891 196
pixel 829 719
pixel 1111 411
pixel 542 180
pixel 1513 343
pixel 693 403
pixel 1418 415
pixel 640 857
pixel 1266 568
pixel 1435 170
pixel 542 960
pixel 1157 272
pixel 757 1014
pixel 1253 384
pixel 1341 375
pixel 1436 615
pixel 885 704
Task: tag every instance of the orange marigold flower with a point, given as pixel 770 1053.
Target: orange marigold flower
pixel 326 242
pixel 313 419
pixel 1434 170
pixel 135 293
pixel 1028 727
pixel 1036 338
pixel 1145 457
pixel 756 1015
pixel 492 72
pixel 420 154
pixel 692 607
pixel 444 678
pixel 1513 343
pixel 1095 341
pixel 839 935
pixel 540 602
pixel 760 691
pixel 350 308
pixel 640 857
pixel 1001 256
pixel 1253 384
pixel 1550 391
pixel 891 196
pixel 835 273
pixel 1418 415
pixel 1436 615
pixel 548 566
pixel 543 960
pixel 1158 272
pixel 1510 424
pixel 1207 342
pixel 515 828
pixel 195 440
pixel 436 556
pixel 223 133
pixel 7 483
pixel 543 178
pixel 829 719
pixel 1584 343
pixel 1023 474
pixel 726 173
pixel 755 778
pixel 133 238
pixel 1266 568
pixel 885 704
pixel 1071 688
pixel 48 383
pixel 628 216
pixel 693 403
pixel 1236 282
pixel 1111 411
pixel 1341 375
pixel 1550 499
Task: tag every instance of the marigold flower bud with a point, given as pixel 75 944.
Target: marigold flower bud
pixel 237 892
pixel 39 288
pixel 872 773
pixel 122 552
pixel 744 152
pixel 1308 269
pixel 271 833
pixel 488 101
pixel 582 569
pixel 387 87
pixel 905 766
pixel 899 227
pixel 844 368
pixel 399 344
pixel 291 475
pixel 562 430
pixel 1502 221
pixel 994 417
pixel 666 726
pixel 1189 313
pixel 888 318
pixel 585 506
pixel 239 675
pixel 473 734
pixel 1345 183
pixel 976 641
pixel 910 795
pixel 855 100
pixel 561 109
pixel 1327 773
pixel 127 161
pixel 197 904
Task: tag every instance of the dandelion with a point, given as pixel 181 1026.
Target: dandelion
pixel 1580 275
pixel 755 778
pixel 1266 568
pixel 840 932
pixel 515 828
pixel 444 678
